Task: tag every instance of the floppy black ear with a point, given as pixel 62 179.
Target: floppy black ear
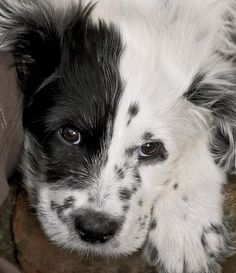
pixel 30 30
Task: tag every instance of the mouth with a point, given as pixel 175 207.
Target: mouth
pixel 110 248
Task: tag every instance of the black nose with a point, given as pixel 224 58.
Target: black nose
pixel 95 227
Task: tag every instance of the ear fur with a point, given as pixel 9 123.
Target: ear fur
pixel 30 30
pixel 33 30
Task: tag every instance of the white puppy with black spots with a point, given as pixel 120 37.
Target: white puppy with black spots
pixel 130 119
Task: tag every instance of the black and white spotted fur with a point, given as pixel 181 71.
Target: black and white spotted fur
pixel 125 73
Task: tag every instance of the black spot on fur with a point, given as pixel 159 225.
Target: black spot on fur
pixel 203 240
pixel 64 60
pixel 125 194
pixel 153 224
pixel 120 172
pixel 126 208
pixel 132 111
pixel 137 177
pixel 134 189
pixel 175 186
pixel 54 205
pixel 69 202
pixel 91 198
pixel 140 203
pixel 147 136
pixel 130 151
pixel 60 210
pixel 151 253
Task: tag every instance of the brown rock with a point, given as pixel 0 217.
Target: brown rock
pixel 7 246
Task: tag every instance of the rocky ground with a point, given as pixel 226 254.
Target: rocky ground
pixel 23 242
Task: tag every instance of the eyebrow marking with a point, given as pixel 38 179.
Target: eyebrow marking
pixel 147 136
pixel 132 111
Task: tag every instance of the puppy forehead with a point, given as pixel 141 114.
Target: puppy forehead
pixel 166 42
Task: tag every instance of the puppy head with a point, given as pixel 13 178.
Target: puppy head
pixel 99 149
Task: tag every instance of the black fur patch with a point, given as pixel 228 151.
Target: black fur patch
pixel 137 177
pixel 153 225
pixel 134 188
pixel 130 151
pixel 69 202
pixel 147 136
pixel 120 172
pixel 69 72
pixel 54 205
pixel 126 208
pixel 175 186
pixel 203 240
pixel 132 111
pixel 151 254
pixel 125 194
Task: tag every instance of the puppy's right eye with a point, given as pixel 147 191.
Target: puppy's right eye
pixel 70 135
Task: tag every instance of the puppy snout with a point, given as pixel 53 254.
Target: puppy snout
pixel 95 227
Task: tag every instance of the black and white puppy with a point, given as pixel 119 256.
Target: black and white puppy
pixel 130 119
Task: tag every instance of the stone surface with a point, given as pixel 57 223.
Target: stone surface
pixel 7 245
pixel 38 255
pixel 230 264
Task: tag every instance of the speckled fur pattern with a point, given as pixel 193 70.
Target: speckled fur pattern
pixel 125 73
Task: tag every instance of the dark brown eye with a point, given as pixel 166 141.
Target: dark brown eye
pixel 70 135
pixel 149 149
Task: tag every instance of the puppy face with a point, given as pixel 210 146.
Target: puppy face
pixel 93 150
pixel 107 122
pixel 81 175
pixel 85 157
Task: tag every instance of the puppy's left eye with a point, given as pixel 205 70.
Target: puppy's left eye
pixel 149 149
pixel 70 135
